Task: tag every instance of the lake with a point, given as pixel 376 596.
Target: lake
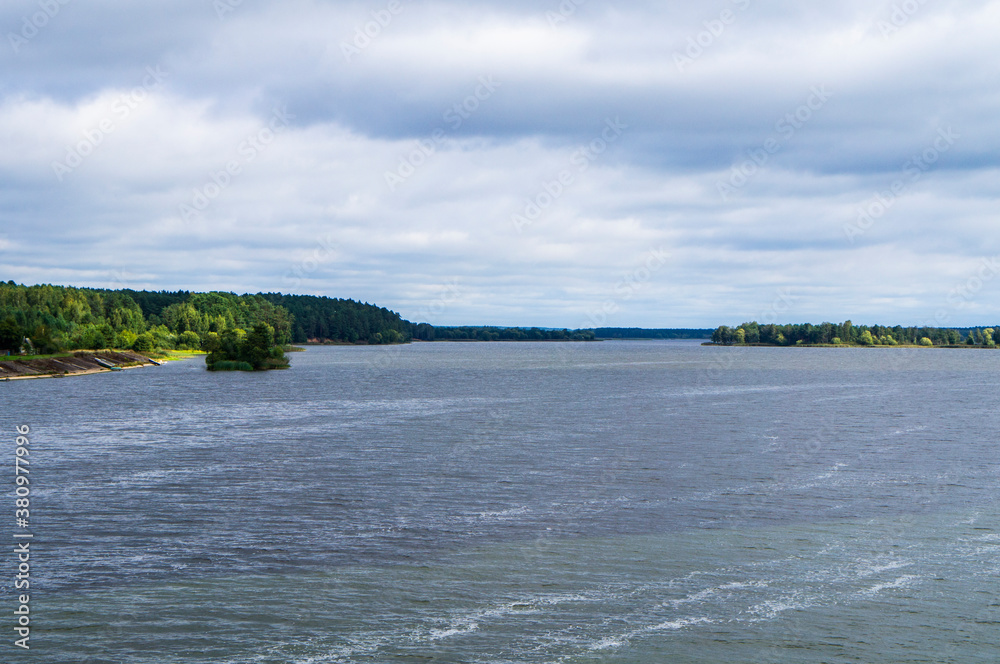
pixel 522 502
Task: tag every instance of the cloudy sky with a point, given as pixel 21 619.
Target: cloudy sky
pixel 573 163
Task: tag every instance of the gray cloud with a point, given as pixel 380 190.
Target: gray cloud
pixel 757 135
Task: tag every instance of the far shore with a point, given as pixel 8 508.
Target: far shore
pixel 875 346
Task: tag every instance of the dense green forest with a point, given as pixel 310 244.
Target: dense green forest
pixel 425 332
pixel 52 319
pixel 849 334
pixel 643 333
pixel 326 318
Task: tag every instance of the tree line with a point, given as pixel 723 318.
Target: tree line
pixel 345 321
pixel 427 332
pixel 644 333
pixel 49 319
pixel 848 334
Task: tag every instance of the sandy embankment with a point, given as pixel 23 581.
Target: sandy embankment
pixel 79 363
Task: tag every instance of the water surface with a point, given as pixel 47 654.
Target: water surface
pixel 602 502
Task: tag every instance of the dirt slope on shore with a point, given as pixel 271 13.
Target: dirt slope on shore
pixel 81 362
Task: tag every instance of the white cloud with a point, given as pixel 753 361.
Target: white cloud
pixel 309 210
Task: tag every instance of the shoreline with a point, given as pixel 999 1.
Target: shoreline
pixel 78 363
pixel 874 346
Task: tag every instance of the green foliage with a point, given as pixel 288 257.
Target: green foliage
pixel 925 341
pixel 11 335
pixel 162 337
pixel 42 341
pixel 723 335
pixel 125 339
pixel 848 334
pixel 327 319
pixel 210 341
pixel 57 318
pixel 256 351
pixel 258 344
pixel 92 335
pixel 144 343
pixel 189 340
pixel 183 317
pixel 642 333
pixel 429 333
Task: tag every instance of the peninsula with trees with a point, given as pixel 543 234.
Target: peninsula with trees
pixel 56 330
pixel 45 329
pixel 848 334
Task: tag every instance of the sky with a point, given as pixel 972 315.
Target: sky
pixel 560 163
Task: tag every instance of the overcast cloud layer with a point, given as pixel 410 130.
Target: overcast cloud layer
pixel 581 163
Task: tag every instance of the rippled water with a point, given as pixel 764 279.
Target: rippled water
pixel 605 502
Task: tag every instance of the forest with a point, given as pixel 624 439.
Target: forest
pixel 51 319
pixel 848 334
pixel 345 321
pixel 426 332
pixel 644 333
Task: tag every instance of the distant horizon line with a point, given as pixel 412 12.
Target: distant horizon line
pixel 124 287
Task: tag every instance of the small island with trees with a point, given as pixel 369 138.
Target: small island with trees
pixel 848 334
pixel 237 350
